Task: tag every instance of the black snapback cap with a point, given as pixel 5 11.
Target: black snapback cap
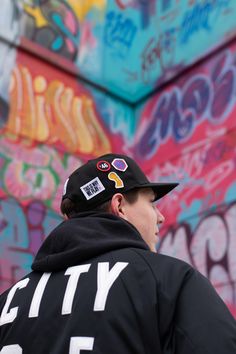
pixel 99 179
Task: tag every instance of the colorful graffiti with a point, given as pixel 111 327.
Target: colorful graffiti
pixel 34 172
pixel 187 133
pixel 159 53
pixel 58 112
pixel 51 122
pixel 148 41
pixel 22 231
pixel 206 174
pixel 206 97
pixel 208 242
pixel 56 25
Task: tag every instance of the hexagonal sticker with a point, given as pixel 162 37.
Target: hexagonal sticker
pixel 120 164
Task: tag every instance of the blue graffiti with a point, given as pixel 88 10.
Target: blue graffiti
pixel 58 42
pixel 14 242
pixel 202 16
pixel 22 231
pixel 119 33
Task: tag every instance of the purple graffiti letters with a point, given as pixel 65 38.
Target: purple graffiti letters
pixel 148 141
pixel 223 81
pixel 182 123
pixel 166 115
pixel 178 111
pixel 197 94
pixel 210 247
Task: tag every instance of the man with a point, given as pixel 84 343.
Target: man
pixel 99 286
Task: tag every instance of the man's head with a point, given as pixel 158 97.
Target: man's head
pixel 115 183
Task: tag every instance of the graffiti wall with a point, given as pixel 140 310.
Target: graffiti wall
pixel 31 182
pixel 147 42
pixel 208 242
pixel 52 119
pixel 189 128
pixel 187 133
pixel 52 108
pixel 53 123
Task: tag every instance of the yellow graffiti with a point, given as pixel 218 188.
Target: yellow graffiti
pixel 37 14
pixel 82 8
pixel 50 112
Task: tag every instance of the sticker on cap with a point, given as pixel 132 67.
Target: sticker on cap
pixel 118 181
pixel 92 188
pixel 103 166
pixel 120 164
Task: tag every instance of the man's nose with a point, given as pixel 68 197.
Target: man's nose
pixel 160 217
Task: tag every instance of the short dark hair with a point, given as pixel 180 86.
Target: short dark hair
pixel 70 208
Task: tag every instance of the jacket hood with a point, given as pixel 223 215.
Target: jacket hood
pixel 85 236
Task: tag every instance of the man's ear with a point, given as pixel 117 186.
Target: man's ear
pixel 117 205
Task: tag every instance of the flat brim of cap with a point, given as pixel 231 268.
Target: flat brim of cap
pixel 161 189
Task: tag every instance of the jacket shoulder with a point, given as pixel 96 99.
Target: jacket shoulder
pixel 168 272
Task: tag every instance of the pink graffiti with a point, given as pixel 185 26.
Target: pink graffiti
pixel 23 183
pixel 70 22
pixel 87 41
pixel 36 172
pixel 177 112
pixel 205 172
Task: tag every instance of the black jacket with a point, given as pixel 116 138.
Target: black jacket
pixel 96 287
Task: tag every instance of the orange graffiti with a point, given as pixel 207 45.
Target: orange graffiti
pixel 50 112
